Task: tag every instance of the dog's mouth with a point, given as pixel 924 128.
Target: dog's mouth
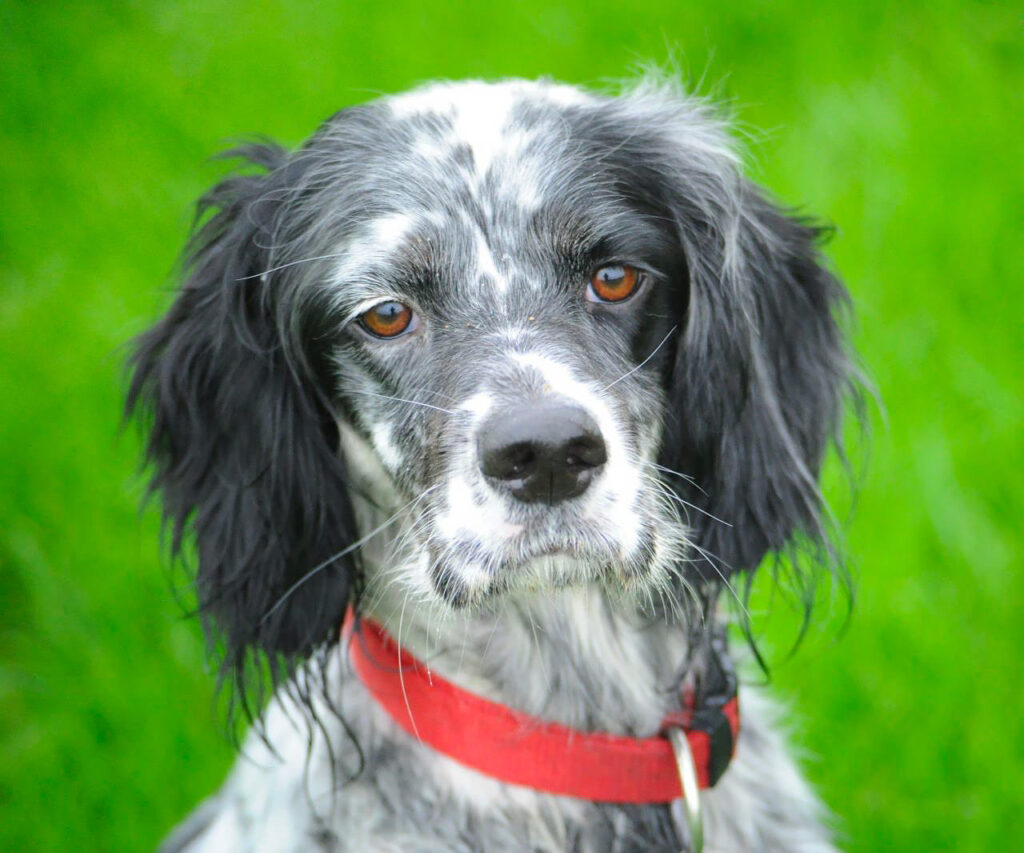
pixel 463 573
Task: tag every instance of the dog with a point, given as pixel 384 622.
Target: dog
pixel 517 379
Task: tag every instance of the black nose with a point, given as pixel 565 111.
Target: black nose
pixel 542 453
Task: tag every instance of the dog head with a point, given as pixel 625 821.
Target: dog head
pixel 554 337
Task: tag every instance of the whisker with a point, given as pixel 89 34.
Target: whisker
pixel 540 653
pixel 642 363
pixel 401 670
pixel 494 626
pixel 732 590
pixel 673 496
pixel 691 480
pixel 404 400
pixel 290 264
pixel 347 550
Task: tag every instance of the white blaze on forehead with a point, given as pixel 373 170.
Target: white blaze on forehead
pixel 480 113
pixel 437 97
pixel 485 264
pixel 480 116
pixel 480 120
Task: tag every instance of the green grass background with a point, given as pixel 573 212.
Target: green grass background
pixel 899 122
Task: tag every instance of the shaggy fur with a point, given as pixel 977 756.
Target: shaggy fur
pixel 319 466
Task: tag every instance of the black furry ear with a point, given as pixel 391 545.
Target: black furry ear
pixel 760 372
pixel 243 448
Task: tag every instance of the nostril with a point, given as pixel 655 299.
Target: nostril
pixel 588 452
pixel 510 462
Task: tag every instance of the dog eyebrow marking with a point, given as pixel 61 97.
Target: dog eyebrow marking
pixel 374 244
pixel 390 230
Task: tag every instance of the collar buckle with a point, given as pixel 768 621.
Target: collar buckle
pixel 694 815
pixel 708 689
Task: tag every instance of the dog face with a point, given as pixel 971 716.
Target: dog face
pixel 491 311
pixel 557 332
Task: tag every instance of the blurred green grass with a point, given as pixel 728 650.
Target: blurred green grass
pixel 898 122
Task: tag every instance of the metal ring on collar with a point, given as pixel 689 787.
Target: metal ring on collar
pixel 691 789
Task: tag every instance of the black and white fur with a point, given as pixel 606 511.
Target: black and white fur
pixel 317 466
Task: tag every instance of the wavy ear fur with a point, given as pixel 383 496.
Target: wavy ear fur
pixel 761 368
pixel 243 449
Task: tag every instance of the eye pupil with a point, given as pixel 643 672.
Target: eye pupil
pixel 613 283
pixel 387 320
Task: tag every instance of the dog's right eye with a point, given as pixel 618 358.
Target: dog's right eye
pixel 613 283
pixel 388 320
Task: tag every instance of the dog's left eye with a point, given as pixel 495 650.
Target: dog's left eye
pixel 613 283
pixel 387 320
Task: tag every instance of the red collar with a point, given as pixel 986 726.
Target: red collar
pixel 514 747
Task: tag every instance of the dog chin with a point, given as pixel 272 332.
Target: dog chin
pixel 555 568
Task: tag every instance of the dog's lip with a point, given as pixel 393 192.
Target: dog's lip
pixel 566 550
pixel 560 547
pixel 573 540
pixel 554 551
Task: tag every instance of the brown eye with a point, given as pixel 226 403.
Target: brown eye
pixel 613 283
pixel 387 320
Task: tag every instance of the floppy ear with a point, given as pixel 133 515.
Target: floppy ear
pixel 758 380
pixel 242 446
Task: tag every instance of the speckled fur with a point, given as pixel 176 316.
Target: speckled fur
pixel 319 467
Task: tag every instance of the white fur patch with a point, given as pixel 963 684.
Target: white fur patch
pixel 480 111
pixel 384 444
pixel 376 244
pixel 429 147
pixel 486 265
pixel 486 520
pixel 389 231
pixel 478 406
